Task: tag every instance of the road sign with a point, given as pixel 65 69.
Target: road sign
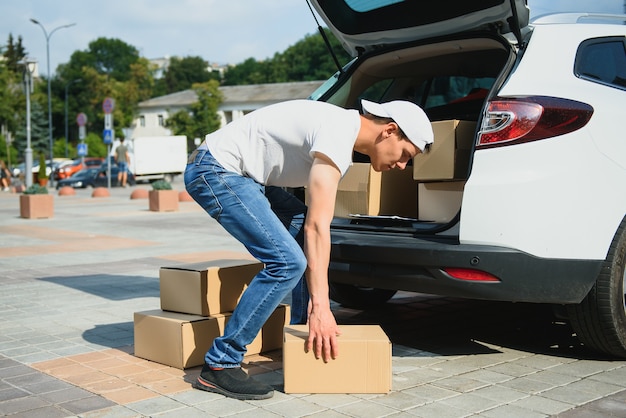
pixel 108 121
pixel 81 119
pixel 107 136
pixel 82 149
pixel 108 105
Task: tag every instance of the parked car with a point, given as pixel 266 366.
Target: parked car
pixel 93 177
pixel 535 208
pixel 78 164
pixel 18 170
pixel 60 165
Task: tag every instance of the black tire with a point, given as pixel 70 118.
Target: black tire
pixel 600 319
pixel 357 297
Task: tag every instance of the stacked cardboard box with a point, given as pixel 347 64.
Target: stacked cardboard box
pixel 449 156
pixel 196 303
pixel 431 190
pixel 206 288
pixel 442 172
pixel 364 191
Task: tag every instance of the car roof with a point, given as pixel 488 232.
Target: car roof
pixel 363 25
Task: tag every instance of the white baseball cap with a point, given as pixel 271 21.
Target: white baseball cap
pixel 409 117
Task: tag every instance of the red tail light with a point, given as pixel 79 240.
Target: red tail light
pixel 513 120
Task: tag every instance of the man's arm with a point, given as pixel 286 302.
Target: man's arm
pixel 322 189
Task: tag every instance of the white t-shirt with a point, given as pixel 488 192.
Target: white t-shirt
pixel 275 145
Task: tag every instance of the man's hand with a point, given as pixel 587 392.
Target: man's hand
pixel 323 333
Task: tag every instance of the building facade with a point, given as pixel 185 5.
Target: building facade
pixel 237 101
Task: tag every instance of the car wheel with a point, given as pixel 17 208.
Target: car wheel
pixel 600 319
pixel 358 297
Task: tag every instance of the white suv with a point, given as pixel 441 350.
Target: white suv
pixel 537 211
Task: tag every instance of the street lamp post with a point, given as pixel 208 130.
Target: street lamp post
pixel 66 129
pixel 48 36
pixel 29 67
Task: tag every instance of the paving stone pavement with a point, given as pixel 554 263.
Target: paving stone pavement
pixel 69 286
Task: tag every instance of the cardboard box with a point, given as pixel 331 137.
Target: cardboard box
pixel 181 340
pixel 206 288
pixel 364 191
pixel 449 155
pixel 440 202
pixel 358 191
pixel 363 364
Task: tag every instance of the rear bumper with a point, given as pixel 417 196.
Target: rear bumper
pixel 404 262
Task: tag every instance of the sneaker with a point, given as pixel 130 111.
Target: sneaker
pixel 232 382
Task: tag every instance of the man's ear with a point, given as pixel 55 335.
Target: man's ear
pixel 390 128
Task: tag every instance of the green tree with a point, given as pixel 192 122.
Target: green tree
pixel 307 60
pixel 250 71
pixel 111 57
pixel 58 148
pixel 202 117
pixel 109 68
pixel 181 123
pixel 182 73
pixel 13 53
pixel 39 141
pixel 205 109
pixel 95 146
pixel 11 97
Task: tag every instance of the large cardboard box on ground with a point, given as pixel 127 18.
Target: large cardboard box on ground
pixel 364 191
pixel 206 288
pixel 181 340
pixel 440 201
pixel 363 364
pixel 449 155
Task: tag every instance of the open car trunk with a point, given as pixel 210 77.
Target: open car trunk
pixel 450 80
pixel 390 227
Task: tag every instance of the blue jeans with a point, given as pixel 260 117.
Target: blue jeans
pixel 268 221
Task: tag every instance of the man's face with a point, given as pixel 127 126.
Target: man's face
pixel 391 152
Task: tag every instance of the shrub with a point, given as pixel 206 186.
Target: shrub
pixel 36 189
pixel 161 185
pixel 42 167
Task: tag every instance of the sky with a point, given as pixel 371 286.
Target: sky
pixel 222 32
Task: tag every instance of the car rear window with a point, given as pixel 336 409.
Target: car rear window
pixel 368 5
pixel 441 97
pixel 602 60
pixel 369 16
